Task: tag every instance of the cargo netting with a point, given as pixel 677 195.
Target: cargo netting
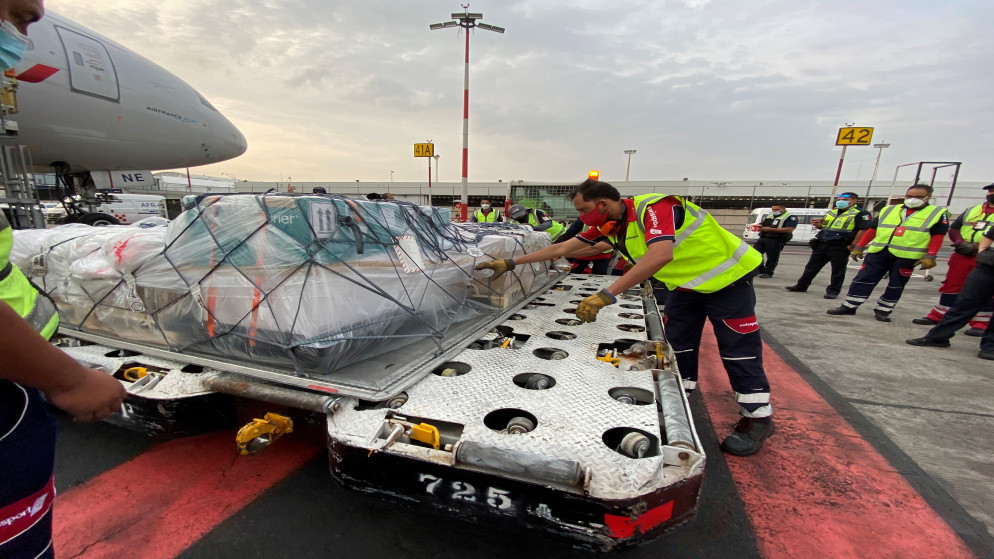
pixel 311 283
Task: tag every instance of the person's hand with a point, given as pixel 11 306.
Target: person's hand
pixel 500 267
pixel 966 249
pixel 91 395
pixel 927 262
pixel 588 308
pixel 856 254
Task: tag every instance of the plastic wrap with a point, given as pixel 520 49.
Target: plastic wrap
pixel 309 282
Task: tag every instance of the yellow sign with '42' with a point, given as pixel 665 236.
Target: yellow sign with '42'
pixel 854 136
pixel 424 150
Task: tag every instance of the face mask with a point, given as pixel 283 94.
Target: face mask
pixel 914 202
pixel 990 198
pixel 594 218
pixel 12 45
pixel 485 206
pixel 777 214
pixel 841 204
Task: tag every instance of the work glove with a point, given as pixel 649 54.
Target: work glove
pixel 856 254
pixel 966 249
pixel 927 262
pixel 588 308
pixel 500 267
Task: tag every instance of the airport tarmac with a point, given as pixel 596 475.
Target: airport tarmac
pixel 882 450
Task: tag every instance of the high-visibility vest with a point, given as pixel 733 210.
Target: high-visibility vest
pixel 975 214
pixel 483 218
pixel 554 231
pixel 19 293
pixel 913 243
pixel 839 225
pixel 778 221
pixel 706 257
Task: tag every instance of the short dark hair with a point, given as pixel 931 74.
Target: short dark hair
pixel 373 196
pixel 928 188
pixel 779 205
pixel 319 190
pixel 592 189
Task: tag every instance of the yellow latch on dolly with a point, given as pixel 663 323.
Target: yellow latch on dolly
pixel 258 435
pixel 134 373
pixel 610 357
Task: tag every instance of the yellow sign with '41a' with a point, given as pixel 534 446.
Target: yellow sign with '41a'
pixel 424 150
pixel 850 136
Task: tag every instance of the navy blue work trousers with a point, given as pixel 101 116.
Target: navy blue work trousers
pixel 875 266
pixel 976 292
pixel 732 312
pixel 824 252
pixel 27 459
pixel 771 248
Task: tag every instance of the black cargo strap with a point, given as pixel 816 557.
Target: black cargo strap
pixel 6 271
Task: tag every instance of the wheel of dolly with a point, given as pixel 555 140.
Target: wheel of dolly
pixel 537 382
pixel 634 445
pixel 520 425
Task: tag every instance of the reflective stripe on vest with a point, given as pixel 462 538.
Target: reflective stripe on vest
pixel 706 257
pixel 554 230
pixel 19 293
pixel 975 214
pixel 834 222
pixel 491 217
pixel 914 242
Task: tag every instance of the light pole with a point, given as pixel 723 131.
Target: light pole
pixel 391 176
pixel 436 156
pixel 880 151
pixel 467 21
pixel 629 153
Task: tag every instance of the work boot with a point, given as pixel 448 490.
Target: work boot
pixel 796 288
pixel 842 309
pixel 766 275
pixel 748 436
pixel 975 332
pixel 926 342
pixel 830 296
pixel 881 315
pixel 926 321
pixel 986 354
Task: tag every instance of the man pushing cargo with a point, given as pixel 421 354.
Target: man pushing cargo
pixel 709 274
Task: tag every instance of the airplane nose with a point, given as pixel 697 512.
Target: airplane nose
pixel 227 141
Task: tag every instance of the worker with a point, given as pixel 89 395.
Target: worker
pixel 775 232
pixel 906 235
pixel 486 214
pixel 32 371
pixel 597 263
pixel 537 219
pixel 976 292
pixel 374 196
pixel 965 233
pixel 838 233
pixel 709 275
pixel 319 190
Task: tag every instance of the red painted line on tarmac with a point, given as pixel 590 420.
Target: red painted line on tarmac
pixel 164 500
pixel 818 489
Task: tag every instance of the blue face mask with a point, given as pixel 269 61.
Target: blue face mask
pixel 13 43
pixel 777 214
pixel 842 204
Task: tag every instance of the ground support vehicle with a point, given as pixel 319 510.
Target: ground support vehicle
pixel 526 419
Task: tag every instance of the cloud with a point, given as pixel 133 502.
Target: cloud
pixel 337 90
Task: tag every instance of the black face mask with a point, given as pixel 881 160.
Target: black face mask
pixel 990 198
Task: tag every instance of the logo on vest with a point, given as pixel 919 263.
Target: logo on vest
pixel 745 325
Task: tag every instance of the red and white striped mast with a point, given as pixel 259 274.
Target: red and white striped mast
pixel 467 21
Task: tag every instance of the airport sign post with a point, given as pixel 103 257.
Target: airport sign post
pixel 848 135
pixel 426 150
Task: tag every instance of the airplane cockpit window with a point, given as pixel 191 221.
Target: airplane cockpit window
pixel 206 103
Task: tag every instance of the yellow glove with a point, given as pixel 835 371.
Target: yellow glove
pixel 856 254
pixel 927 262
pixel 500 267
pixel 588 308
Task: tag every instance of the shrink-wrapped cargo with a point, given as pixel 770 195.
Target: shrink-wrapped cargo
pixel 309 282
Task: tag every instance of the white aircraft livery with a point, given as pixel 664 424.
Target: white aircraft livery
pixel 92 103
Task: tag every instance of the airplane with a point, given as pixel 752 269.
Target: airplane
pixel 86 104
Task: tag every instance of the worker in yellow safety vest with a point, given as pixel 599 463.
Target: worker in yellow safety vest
pixel 486 214
pixel 537 220
pixel 907 235
pixel 708 272
pixel 30 367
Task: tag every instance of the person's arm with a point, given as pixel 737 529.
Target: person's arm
pixel 660 254
pixel 472 217
pixel 954 227
pixel 574 230
pixel 986 242
pixel 543 219
pixel 551 252
pixel 594 250
pixel 867 237
pixel 788 228
pixel 864 222
pixel 29 359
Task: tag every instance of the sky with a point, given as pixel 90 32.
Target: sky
pixel 337 90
